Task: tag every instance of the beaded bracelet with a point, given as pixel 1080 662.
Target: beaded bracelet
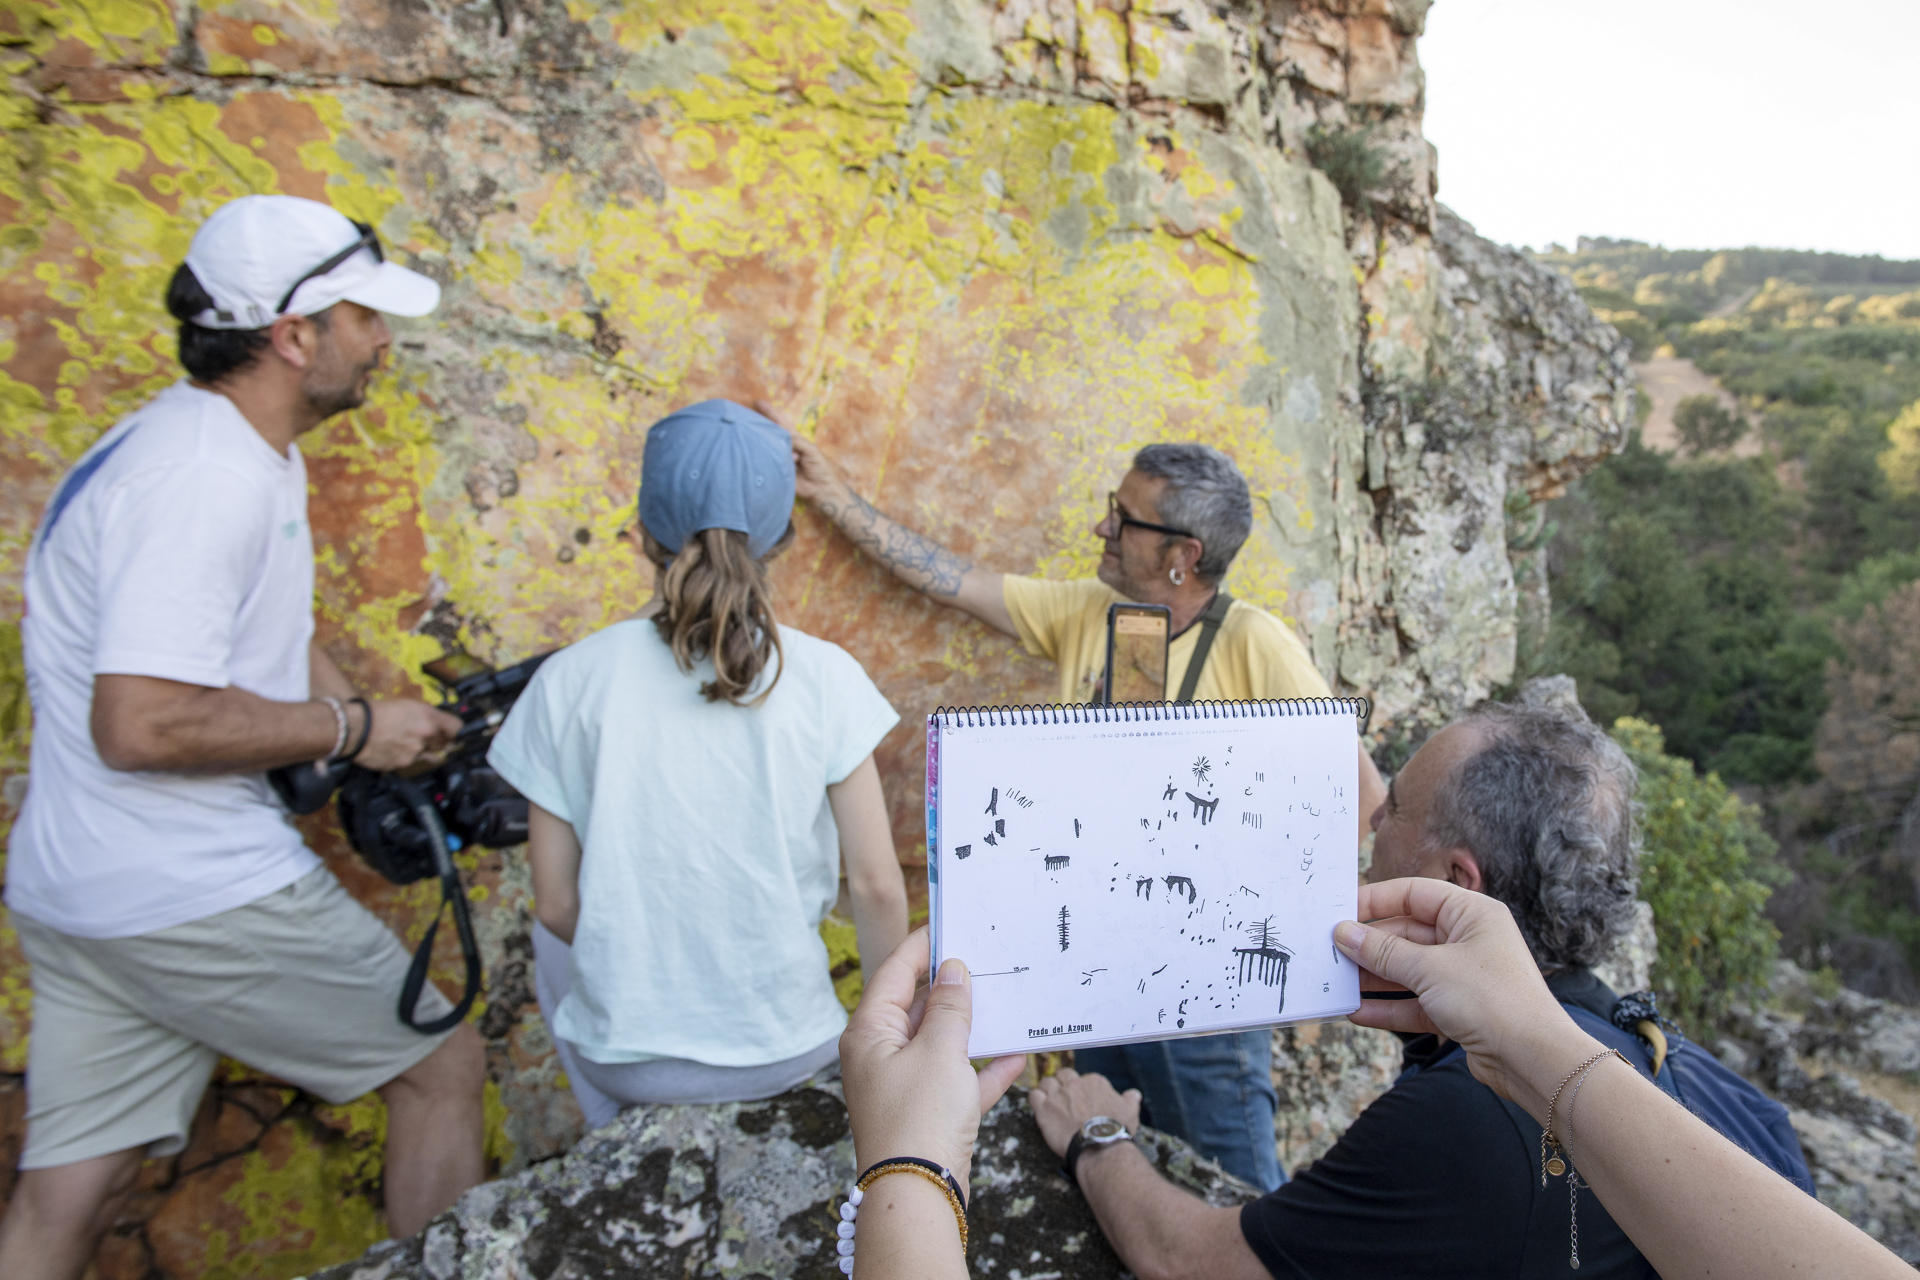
pixel 939 1175
pixel 339 726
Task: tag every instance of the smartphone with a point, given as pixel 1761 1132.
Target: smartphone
pixel 1137 652
pixel 453 666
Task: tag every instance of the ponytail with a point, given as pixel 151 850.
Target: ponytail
pixel 716 603
pixel 208 354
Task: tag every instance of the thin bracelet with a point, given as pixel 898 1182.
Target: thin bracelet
pixel 927 1167
pixel 366 728
pixel 1558 1164
pixel 339 726
pixel 938 1175
pixel 1574 1180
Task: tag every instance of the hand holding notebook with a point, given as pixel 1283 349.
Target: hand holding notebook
pixel 1133 873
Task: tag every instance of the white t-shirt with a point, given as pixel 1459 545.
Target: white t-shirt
pixel 183 554
pixel 708 851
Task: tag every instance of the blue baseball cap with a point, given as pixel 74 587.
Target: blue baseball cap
pixel 717 465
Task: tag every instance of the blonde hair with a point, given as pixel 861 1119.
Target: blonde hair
pixel 716 602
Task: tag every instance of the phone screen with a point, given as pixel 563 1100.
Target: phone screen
pixel 1137 652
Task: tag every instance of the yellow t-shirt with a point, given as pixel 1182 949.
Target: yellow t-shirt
pixel 1255 655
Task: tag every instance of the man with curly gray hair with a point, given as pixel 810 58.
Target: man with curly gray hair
pixel 1534 806
pixel 1530 805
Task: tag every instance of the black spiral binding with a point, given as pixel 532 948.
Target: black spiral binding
pixel 1148 712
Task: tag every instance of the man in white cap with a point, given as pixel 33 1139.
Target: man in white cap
pixel 169 908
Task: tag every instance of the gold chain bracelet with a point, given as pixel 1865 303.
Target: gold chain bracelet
pixel 1558 1163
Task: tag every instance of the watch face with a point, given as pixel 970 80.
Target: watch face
pixel 1102 1129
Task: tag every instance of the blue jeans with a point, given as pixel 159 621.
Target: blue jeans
pixel 1214 1091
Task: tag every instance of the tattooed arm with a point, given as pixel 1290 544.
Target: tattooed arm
pixel 921 563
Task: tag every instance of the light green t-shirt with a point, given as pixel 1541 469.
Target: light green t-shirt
pixel 708 851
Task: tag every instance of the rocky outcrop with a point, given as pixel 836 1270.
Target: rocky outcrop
pixel 980 251
pixel 753 1189
pixel 1520 391
pixel 1849 1068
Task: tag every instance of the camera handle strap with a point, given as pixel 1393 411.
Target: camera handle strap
pixel 1210 620
pixel 452 894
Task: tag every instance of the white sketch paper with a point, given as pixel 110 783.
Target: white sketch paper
pixel 1143 879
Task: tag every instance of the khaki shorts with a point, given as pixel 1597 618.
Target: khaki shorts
pixel 302 984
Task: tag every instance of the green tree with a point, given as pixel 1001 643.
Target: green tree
pixel 1353 160
pixel 1901 460
pixel 1707 868
pixel 1707 426
pixel 1848 495
pixel 1675 600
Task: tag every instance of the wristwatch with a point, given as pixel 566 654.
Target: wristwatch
pixel 1100 1131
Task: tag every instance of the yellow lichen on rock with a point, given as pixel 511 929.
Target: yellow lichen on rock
pixel 981 297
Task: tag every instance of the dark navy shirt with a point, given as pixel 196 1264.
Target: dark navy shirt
pixel 1439 1177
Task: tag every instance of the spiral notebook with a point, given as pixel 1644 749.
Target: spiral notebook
pixel 1117 873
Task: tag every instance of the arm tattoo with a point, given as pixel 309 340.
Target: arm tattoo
pixel 919 562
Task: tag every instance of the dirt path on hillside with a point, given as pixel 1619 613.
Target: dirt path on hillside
pixel 1669 380
pixel 1733 306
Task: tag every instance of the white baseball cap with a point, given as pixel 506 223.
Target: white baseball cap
pixel 261 257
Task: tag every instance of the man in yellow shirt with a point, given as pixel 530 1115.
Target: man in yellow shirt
pixel 1171 530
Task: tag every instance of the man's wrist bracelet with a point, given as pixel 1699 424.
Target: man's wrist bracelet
pixel 366 728
pixel 339 726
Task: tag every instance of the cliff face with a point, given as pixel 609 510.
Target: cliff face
pixel 981 251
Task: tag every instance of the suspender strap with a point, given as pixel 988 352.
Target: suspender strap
pixel 1216 613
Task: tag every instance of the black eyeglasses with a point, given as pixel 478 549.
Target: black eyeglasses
pixel 1122 520
pixel 367 240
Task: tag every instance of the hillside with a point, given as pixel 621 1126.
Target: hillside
pixel 1747 573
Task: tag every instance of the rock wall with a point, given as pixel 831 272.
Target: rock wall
pixel 982 251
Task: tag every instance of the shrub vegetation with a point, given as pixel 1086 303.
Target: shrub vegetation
pixel 1758 609
pixel 1707 867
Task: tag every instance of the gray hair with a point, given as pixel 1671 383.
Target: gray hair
pixel 1546 805
pixel 1206 495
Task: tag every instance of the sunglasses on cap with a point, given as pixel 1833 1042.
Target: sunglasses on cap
pixel 367 240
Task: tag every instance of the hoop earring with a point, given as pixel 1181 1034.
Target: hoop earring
pixel 1175 576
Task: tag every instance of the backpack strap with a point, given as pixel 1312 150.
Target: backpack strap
pixel 1652 1047
pixel 1210 620
pixel 1655 1050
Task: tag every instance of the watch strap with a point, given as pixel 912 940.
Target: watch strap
pixel 1079 1144
pixel 1076 1147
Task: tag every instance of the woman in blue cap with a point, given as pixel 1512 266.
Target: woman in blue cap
pixel 697 773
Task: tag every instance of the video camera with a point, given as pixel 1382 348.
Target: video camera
pixel 474 804
pixel 407 827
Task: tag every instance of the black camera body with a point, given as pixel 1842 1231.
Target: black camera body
pixel 407 827
pixel 474 804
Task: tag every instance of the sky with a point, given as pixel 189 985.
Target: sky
pixel 1685 123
